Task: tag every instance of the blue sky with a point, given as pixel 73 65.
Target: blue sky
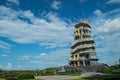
pixel 37 34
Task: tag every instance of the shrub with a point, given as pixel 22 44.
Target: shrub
pixel 17 74
pixel 48 71
pixel 110 70
pixel 71 73
pixel 25 76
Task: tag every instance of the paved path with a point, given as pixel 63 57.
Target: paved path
pixel 90 74
pixel 57 77
pixel 61 77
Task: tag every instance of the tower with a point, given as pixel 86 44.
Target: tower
pixel 83 48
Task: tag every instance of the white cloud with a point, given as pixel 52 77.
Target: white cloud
pixel 52 59
pixel 4 45
pixel 98 12
pixel 9 66
pixel 106 30
pixel 50 32
pixel 14 1
pixel 110 26
pixel 107 22
pixel 113 2
pixel 19 66
pixel 4 55
pixel 43 54
pixel 56 4
pixel 24 57
pixel 28 14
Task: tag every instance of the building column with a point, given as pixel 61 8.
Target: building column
pixel 74 63
pixel 84 63
pixel 78 63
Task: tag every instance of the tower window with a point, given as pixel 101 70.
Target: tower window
pixel 75 55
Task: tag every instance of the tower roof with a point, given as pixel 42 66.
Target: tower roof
pixel 83 22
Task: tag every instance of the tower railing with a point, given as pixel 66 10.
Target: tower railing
pixel 73 59
pixel 81 58
pixel 82 46
pixel 84 28
pixel 81 40
pixel 87 51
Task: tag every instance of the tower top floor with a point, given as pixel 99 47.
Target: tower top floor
pixel 83 22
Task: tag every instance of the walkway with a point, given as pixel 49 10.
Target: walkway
pixel 61 77
pixel 58 77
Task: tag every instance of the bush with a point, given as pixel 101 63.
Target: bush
pixel 48 71
pixel 110 70
pixel 25 76
pixel 70 73
pixel 17 74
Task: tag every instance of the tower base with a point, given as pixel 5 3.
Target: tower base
pixel 88 68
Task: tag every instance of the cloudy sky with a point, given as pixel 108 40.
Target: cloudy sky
pixel 36 34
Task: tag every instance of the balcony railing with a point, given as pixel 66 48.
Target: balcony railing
pixel 87 51
pixel 81 40
pixel 86 28
pixel 93 57
pixel 72 59
pixel 79 58
pixel 82 46
pixel 82 58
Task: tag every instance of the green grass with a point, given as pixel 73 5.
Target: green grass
pixel 114 74
pixel 70 73
pixel 2 79
pixel 22 79
pixel 107 77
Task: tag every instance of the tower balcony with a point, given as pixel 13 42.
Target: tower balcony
pixel 79 58
pixel 86 28
pixel 73 59
pixel 81 40
pixel 81 47
pixel 93 57
pixel 82 58
pixel 84 34
pixel 87 51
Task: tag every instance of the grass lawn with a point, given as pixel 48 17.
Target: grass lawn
pixel 107 77
pixel 2 79
pixel 70 73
